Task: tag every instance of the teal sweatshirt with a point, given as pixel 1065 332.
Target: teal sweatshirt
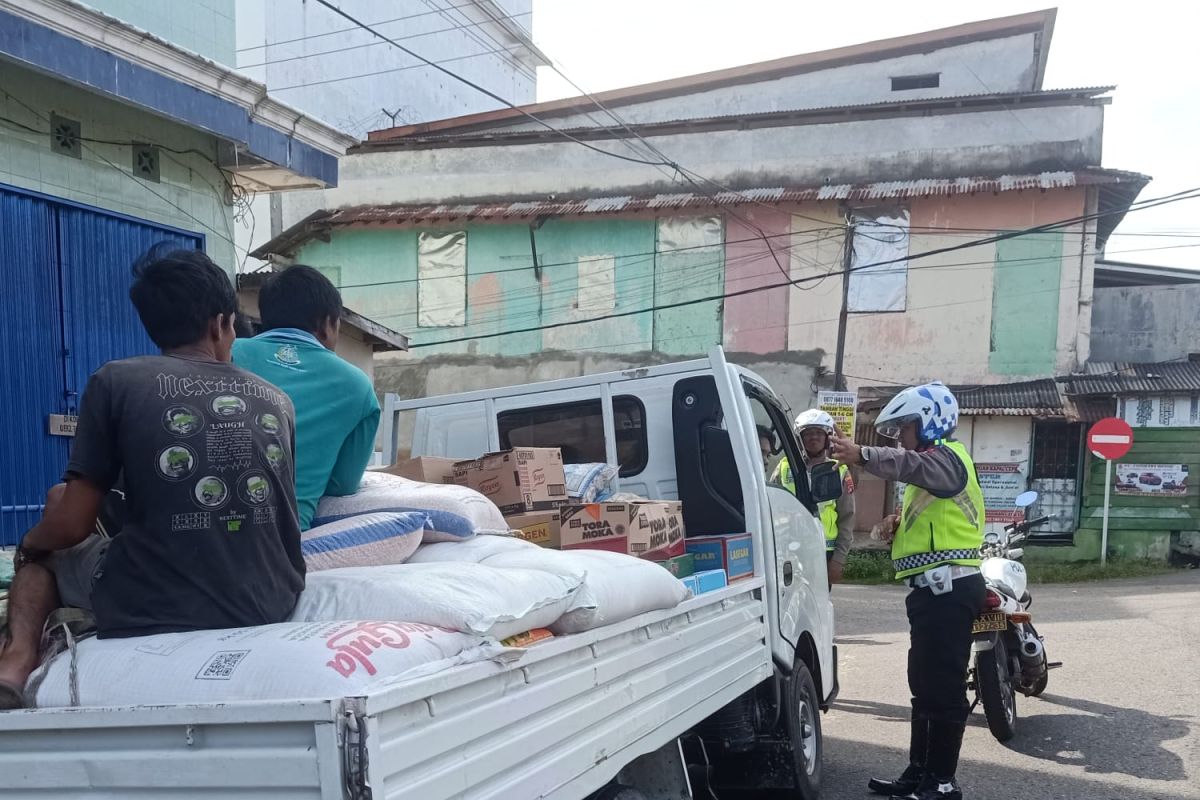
pixel 337 413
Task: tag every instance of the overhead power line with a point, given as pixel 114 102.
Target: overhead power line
pixel 482 90
pixel 1189 194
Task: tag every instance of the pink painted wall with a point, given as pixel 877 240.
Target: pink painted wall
pixel 756 323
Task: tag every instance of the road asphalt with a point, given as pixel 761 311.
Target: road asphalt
pixel 1119 721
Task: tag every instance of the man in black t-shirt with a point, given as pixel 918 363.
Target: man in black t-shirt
pixel 210 537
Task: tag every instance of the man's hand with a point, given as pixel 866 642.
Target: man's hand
pixel 886 528
pixel 843 449
pixel 836 569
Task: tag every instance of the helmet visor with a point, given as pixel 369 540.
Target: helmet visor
pixel 890 429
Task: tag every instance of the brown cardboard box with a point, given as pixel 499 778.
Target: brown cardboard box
pixel 540 527
pixel 598 526
pixel 517 481
pixel 425 469
pixel 658 532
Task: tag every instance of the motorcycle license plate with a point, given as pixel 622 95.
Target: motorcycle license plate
pixel 990 621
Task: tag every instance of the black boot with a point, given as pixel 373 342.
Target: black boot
pixel 906 784
pixel 932 788
pixel 903 786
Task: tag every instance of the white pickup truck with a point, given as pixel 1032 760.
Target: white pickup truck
pixel 721 691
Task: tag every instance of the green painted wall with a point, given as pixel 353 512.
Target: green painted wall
pixel 1025 294
pixel 689 275
pixel 378 278
pixel 190 191
pixel 1141 527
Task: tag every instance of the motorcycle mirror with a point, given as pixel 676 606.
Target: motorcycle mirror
pixel 1026 499
pixel 825 482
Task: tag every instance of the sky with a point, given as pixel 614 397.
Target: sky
pixel 1146 49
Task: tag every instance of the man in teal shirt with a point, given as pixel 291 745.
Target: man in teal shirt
pixel 337 412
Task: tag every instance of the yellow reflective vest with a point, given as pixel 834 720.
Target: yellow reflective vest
pixel 828 509
pixel 934 530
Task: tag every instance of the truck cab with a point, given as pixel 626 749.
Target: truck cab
pixel 690 432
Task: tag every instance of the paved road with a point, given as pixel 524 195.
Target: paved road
pixel 1119 721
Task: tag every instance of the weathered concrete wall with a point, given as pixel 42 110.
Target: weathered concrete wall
pixel 1144 323
pixel 756 255
pixel 997 65
pixel 994 142
pixel 414 375
pixel 1033 291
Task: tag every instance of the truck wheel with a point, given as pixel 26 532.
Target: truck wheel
pixel 804 730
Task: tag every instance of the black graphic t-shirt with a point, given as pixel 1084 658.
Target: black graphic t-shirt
pixel 210 536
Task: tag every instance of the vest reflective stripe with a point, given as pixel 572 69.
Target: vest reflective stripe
pixel 935 530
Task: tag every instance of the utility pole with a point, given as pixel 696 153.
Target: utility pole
pixel 839 380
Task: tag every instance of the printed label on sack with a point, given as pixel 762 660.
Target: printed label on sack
pixel 220 666
pixel 353 647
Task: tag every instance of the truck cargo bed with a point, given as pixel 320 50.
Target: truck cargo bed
pixel 558 723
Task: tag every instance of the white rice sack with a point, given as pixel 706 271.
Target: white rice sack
pixel 473 550
pixel 366 540
pixel 455 512
pixel 616 588
pixel 268 662
pixel 466 597
pixel 590 483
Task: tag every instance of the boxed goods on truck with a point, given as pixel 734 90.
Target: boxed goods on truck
pixel 680 566
pixel 540 527
pixel 597 526
pixel 658 532
pixel 517 481
pixel 732 552
pixel 423 469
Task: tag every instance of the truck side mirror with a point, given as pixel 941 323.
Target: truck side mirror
pixel 825 482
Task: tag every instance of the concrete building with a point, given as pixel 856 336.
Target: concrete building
pixel 112 139
pixel 319 62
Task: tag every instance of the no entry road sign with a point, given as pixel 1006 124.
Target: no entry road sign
pixel 1110 438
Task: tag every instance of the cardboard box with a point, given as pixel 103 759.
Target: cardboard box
pixel 598 526
pixel 680 566
pixel 658 535
pixel 732 552
pixel 692 583
pixel 710 580
pixel 517 481
pixel 540 527
pixel 529 638
pixel 426 469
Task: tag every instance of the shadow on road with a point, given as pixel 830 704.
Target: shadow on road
pixel 848 765
pixel 854 641
pixel 884 712
pixel 1103 739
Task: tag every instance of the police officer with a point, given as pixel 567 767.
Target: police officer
pixel 935 550
pixel 815 427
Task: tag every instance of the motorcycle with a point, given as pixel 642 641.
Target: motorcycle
pixel 1008 654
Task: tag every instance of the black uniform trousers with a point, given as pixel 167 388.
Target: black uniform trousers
pixel 938 658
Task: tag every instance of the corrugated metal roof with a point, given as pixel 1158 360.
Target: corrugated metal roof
pixel 404 214
pixel 1115 378
pixel 1029 398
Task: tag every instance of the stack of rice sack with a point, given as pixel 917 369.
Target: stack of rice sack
pixel 405 579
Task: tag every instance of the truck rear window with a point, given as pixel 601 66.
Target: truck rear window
pixel 578 430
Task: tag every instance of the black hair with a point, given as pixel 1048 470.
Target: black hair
pixel 242 327
pixel 299 297
pixel 177 293
pixel 766 433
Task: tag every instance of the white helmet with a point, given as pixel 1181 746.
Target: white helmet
pixel 814 418
pixel 931 405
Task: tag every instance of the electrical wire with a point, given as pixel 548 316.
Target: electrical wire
pixel 753 290
pixel 369 44
pixel 481 89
